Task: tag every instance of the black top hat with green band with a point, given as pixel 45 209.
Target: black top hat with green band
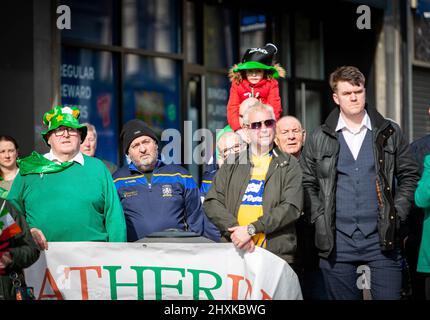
pixel 63 116
pixel 259 58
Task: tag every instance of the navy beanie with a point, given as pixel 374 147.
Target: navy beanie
pixel 134 129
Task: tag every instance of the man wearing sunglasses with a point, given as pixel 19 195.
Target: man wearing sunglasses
pixel 256 197
pixel 245 105
pixel 65 195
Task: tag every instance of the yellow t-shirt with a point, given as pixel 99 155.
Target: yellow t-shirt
pixel 251 207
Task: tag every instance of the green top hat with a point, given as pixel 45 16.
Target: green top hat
pixel 259 58
pixel 63 116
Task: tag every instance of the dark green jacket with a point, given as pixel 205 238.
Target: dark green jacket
pixel 282 200
pixel 23 250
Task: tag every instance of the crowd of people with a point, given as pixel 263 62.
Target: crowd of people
pixel 327 202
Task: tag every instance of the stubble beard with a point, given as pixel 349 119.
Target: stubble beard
pixel 146 165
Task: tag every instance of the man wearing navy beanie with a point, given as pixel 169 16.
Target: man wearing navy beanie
pixel 134 129
pixel 155 196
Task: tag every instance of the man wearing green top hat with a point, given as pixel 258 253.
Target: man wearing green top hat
pixel 64 194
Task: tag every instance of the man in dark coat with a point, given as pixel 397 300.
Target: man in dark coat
pixel 257 199
pixel 359 178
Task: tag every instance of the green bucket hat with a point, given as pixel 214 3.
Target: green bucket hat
pixel 259 58
pixel 63 116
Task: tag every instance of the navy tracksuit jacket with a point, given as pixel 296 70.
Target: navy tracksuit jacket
pixel 171 200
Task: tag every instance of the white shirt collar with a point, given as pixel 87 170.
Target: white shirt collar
pixel 341 124
pixel 79 158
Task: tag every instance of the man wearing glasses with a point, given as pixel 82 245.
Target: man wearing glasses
pixel 256 199
pixel 224 146
pixel 65 195
pixel 228 143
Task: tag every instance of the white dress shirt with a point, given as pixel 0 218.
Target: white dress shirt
pixel 354 138
pixel 79 158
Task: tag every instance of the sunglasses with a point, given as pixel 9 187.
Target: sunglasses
pixel 269 123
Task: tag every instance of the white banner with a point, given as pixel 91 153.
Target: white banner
pixel 162 271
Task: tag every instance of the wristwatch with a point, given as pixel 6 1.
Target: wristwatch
pixel 251 230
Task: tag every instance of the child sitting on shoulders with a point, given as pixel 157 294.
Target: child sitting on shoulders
pixel 255 77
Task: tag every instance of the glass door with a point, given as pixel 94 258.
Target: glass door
pixel 308 105
pixel 194 116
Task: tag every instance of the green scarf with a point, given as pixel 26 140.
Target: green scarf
pixel 37 163
pixel 3 193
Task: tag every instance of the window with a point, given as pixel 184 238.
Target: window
pixel 87 82
pixel 92 21
pixel 194 43
pixel 151 25
pixel 217 94
pixel 252 31
pixel 421 33
pixel 152 92
pixel 308 106
pixel 219 39
pixel 309 48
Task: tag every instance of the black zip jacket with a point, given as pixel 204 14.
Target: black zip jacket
pixel 397 177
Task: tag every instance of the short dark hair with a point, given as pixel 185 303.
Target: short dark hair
pixel 346 73
pixel 10 139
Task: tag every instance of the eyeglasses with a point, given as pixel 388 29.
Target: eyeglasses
pixel 269 123
pixel 71 131
pixel 235 149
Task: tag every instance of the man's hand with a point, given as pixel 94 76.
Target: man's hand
pixel 250 246
pixel 243 135
pixel 241 239
pixel 5 260
pixel 39 238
